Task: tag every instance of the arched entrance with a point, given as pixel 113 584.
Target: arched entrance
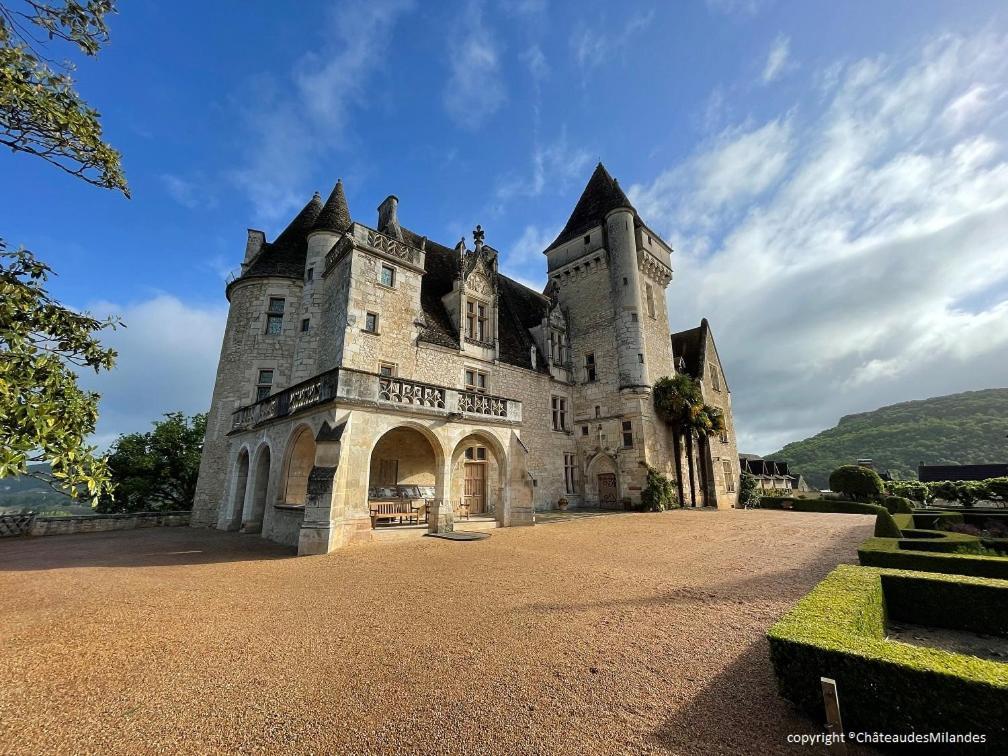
pixel 402 477
pixel 255 505
pixel 602 482
pixel 239 492
pixel 478 477
pixel 300 461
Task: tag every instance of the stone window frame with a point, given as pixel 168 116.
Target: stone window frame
pixel 393 369
pixel 474 385
pixel 729 474
pixel 570 473
pixel 558 407
pixel 590 367
pixel 475 453
pixel 626 427
pixel 264 384
pixel 376 329
pixel 275 314
pixel 715 378
pixel 476 321
pixel 305 324
pixel 393 274
pixel 310 274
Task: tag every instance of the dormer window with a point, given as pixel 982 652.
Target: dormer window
pixel 477 321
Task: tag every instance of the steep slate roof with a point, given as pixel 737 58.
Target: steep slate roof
pixel 935 473
pixel 285 257
pixel 519 308
pixel 765 467
pixel 335 214
pixel 600 195
pixel 690 345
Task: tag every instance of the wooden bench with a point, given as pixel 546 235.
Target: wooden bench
pixel 398 509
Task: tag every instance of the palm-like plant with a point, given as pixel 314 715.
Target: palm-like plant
pixel 679 401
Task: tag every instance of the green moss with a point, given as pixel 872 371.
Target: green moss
pixel 838 631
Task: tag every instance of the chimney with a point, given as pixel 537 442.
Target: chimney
pixel 388 217
pixel 256 239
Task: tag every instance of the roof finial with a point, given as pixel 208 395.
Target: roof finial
pixel 478 234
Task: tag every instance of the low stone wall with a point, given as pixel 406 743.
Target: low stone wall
pixel 43 526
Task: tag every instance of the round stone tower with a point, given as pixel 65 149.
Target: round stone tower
pixel 626 297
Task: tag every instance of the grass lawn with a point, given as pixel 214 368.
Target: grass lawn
pixel 626 634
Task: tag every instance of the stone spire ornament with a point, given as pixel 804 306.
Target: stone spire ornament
pixel 478 235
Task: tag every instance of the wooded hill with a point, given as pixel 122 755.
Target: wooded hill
pixel 967 428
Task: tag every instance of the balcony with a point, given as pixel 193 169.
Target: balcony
pixel 343 386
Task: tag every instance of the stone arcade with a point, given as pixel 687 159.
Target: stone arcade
pixel 362 365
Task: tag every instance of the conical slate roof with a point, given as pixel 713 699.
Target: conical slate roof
pixel 286 255
pixel 335 215
pixel 602 194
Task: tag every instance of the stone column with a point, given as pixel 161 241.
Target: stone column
pixel 441 518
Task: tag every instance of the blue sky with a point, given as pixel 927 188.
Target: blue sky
pixel 832 176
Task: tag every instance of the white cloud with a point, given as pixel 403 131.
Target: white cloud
pixel 474 90
pixel 167 361
pixel 737 7
pixel 524 260
pixel 851 253
pixel 777 59
pixel 190 194
pixel 554 165
pixel 592 48
pixel 292 123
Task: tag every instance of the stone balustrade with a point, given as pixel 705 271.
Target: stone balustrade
pixel 345 386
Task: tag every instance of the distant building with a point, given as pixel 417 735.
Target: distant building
pixel 870 464
pixel 771 474
pixel 935 473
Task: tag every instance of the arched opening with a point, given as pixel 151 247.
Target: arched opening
pixel 403 477
pixel 238 494
pixel 602 482
pixel 300 461
pixel 477 477
pixel 255 505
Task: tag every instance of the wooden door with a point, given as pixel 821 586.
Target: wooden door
pixel 474 491
pixel 607 489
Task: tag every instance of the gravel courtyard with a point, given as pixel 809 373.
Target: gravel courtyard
pixel 639 633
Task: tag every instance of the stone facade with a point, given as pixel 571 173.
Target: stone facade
pixel 357 359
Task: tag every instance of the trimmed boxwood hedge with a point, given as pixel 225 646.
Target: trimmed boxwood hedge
pixel 838 631
pixel 976 606
pixel 902 554
pixel 885 526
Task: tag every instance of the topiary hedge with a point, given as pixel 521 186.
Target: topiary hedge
pixel 897 505
pixel 838 631
pixel 856 482
pixel 885 526
pixel 902 554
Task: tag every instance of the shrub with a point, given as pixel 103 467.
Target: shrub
pixel 748 496
pixel 838 631
pixel 897 554
pixel 659 494
pixel 897 505
pixel 857 482
pixel 885 526
pixel 943 489
pixel 910 489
